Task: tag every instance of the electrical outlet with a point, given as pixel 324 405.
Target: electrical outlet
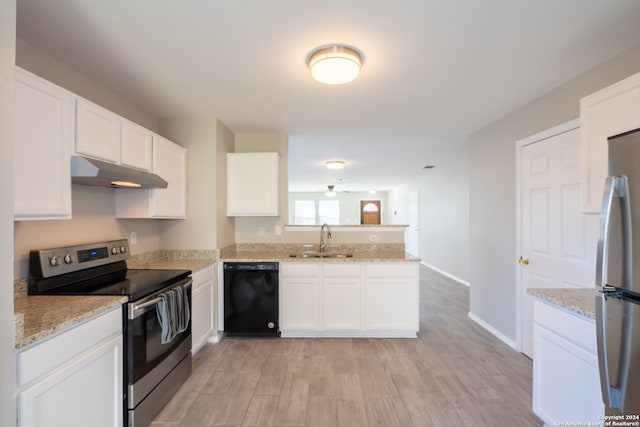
pixel 278 230
pixel 260 231
pixel 133 237
pixel 374 238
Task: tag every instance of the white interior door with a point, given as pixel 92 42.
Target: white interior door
pixel 557 240
pixel 412 235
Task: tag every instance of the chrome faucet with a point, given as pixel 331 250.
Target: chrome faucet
pixel 323 243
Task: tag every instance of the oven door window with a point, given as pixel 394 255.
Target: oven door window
pixel 145 349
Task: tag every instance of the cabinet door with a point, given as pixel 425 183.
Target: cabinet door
pixel 252 184
pixel 566 383
pixel 97 132
pixel 341 296
pixel 43 139
pixel 299 293
pixel 608 112
pixel 392 296
pixel 84 392
pixel 170 163
pixel 392 304
pixel 137 144
pixel 341 301
pixel 202 301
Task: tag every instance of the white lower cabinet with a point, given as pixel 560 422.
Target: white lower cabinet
pixel 342 297
pixel 392 296
pixel 566 384
pixel 75 378
pixel 349 299
pixel 202 304
pixel 299 296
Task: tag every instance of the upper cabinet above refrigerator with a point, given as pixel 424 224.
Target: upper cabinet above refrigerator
pixel 608 112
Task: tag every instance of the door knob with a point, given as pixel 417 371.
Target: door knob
pixel 523 261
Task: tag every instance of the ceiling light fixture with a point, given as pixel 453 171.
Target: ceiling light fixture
pixel 334 65
pixel 331 192
pixel 335 164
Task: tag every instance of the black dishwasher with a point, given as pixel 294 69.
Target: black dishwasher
pixel 251 299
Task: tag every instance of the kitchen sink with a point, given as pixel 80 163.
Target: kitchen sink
pixel 321 255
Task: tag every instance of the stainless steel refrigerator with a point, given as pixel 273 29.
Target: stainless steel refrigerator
pixel 618 273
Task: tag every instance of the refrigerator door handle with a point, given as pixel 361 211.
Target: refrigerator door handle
pixel 603 241
pixel 603 362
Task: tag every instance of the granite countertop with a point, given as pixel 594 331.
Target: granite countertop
pixel 579 301
pixel 250 256
pixel 282 253
pixel 175 264
pixel 39 316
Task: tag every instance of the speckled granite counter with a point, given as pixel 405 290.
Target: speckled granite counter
pixel 174 260
pixel 283 252
pixel 48 314
pixel 580 301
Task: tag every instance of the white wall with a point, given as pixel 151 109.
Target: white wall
pixel 492 204
pixel 444 212
pixel 198 230
pixel 7 61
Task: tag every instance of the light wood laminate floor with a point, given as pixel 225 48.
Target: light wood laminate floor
pixel 454 374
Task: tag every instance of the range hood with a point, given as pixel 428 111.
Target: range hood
pixel 94 172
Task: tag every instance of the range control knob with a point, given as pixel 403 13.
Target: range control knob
pixel 114 251
pixel 68 259
pixel 54 261
pixel 123 249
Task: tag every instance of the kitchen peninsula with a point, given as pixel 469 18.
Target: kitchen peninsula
pixel 351 290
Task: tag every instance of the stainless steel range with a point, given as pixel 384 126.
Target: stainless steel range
pixel 156 319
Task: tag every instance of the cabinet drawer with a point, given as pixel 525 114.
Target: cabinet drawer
pixel 299 269
pixel 42 358
pixel 341 269
pixel 392 269
pixel 576 329
pixel 202 276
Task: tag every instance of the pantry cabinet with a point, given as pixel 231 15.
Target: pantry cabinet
pixel 565 363
pixel 327 299
pixel 170 163
pixel 74 378
pixel 98 132
pixel 43 140
pixel 608 112
pixel 202 304
pixel 252 184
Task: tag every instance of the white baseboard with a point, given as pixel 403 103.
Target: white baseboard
pixel 444 273
pixel 502 337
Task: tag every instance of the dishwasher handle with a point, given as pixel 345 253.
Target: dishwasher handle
pixel 251 266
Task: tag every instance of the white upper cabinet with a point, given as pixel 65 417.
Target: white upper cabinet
pixel 252 184
pixel 43 139
pixel 608 112
pixel 137 146
pixel 170 163
pixel 98 132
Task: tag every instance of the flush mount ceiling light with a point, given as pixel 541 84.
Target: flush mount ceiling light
pixel 335 164
pixel 335 65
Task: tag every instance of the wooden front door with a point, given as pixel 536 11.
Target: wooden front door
pixel 369 211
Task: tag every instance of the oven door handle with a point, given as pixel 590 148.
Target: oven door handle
pixel 136 310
